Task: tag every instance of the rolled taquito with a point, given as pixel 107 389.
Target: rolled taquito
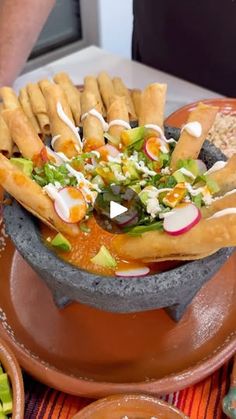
pixel 207 236
pixel 72 93
pixel 136 98
pixel 106 88
pixel 9 98
pixel 189 145
pixel 6 143
pixel 27 108
pixel 218 204
pixel 31 196
pixel 117 113
pixel 64 132
pixel 93 129
pixel 152 105
pixel 91 85
pixel 39 107
pixel 22 133
pixel 225 177
pixel 121 90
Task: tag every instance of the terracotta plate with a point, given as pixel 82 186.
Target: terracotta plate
pixel 84 351
pixel 130 406
pixel 179 117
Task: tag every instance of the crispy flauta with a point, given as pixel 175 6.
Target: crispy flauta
pixel 72 94
pixel 91 85
pixel 31 196
pixel 106 88
pixel 121 90
pixel 136 98
pixel 27 108
pixel 220 203
pixel 22 132
pixel 152 105
pixel 208 235
pixel 92 128
pixel 9 98
pixel 6 143
pixel 226 177
pixel 117 111
pixel 188 146
pixel 39 107
pixel 67 141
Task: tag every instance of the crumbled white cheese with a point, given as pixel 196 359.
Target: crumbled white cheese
pixel 153 207
pixel 165 171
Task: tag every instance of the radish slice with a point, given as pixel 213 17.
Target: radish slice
pixel 182 219
pixel 201 167
pixel 70 205
pixel 132 271
pixel 153 146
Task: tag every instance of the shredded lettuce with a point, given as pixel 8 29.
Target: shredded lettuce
pixel 50 173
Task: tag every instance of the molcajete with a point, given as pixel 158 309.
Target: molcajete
pixel 173 289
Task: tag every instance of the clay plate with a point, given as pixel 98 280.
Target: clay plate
pixel 84 351
pixel 11 367
pixel 179 117
pixel 129 406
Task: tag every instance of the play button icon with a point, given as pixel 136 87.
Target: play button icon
pixel 117 209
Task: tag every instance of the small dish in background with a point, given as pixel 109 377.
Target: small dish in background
pixel 129 406
pixel 12 368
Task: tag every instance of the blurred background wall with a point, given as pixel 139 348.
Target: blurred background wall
pixel 76 24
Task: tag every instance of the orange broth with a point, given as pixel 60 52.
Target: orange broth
pixel 86 245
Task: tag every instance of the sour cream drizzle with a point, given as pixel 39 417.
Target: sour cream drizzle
pixel 226 211
pixel 52 192
pixel 119 122
pixel 160 131
pixel 217 166
pixel 187 173
pixel 54 139
pixel 97 115
pixel 193 128
pixel 84 185
pixel 62 115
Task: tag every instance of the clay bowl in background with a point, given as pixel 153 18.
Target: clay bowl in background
pixel 130 406
pixel 12 368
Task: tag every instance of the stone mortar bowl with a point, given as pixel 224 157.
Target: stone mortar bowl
pixel 172 290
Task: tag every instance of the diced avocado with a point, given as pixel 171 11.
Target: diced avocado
pixel 60 242
pixel 106 174
pixel 130 136
pixel 129 170
pixel 26 166
pixel 104 258
pixel 5 394
pixel 145 193
pixel 190 165
pixel 112 140
pixel 136 188
pixel 179 177
pixel 97 180
pixel 212 185
pixel 197 200
pixel 7 407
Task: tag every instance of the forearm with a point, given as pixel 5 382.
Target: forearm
pixel 21 22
